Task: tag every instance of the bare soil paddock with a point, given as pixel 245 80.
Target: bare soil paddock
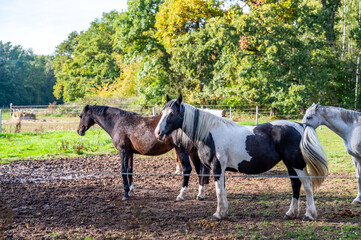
pixel 80 198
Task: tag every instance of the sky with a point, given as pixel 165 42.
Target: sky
pixel 41 25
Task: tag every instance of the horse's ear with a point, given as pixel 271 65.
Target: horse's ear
pixel 168 98
pixel 86 107
pixel 317 105
pixel 179 99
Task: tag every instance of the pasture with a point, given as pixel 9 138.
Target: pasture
pixel 69 187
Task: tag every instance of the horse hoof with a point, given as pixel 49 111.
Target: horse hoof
pixel 180 198
pixel 200 198
pixel 307 218
pixel 216 216
pixel 356 202
pixel 125 198
pixel 286 217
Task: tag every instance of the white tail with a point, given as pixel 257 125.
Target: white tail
pixel 314 156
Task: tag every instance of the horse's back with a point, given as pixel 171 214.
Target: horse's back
pixel 139 132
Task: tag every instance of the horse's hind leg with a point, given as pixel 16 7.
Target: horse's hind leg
pixel 187 168
pixel 311 212
pixel 357 163
pixel 202 171
pixel 130 174
pixel 294 210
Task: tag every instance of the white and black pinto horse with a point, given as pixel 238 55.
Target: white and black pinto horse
pixel 224 145
pixel 346 124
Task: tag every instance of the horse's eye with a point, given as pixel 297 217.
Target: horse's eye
pixel 80 116
pixel 309 117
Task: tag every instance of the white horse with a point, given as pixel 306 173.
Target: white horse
pixel 224 145
pixel 346 124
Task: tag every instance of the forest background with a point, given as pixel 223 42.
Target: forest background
pixel 284 54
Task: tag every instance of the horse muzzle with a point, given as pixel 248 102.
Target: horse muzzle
pixel 160 135
pixel 81 130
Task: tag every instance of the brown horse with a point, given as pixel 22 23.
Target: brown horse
pixel 132 133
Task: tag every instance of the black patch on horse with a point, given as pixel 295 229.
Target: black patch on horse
pixel 195 123
pixel 288 146
pixel 212 159
pixel 261 148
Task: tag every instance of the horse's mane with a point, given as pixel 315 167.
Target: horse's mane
pixel 197 124
pixel 345 114
pixel 101 110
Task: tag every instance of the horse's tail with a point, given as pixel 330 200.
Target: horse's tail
pixel 314 156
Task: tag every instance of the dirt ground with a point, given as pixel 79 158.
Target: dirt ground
pixel 80 198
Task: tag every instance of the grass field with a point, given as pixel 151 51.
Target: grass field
pixel 50 137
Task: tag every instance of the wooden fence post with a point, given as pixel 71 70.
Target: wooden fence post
pixel 256 115
pixel 230 113
pixel 11 108
pixel 153 110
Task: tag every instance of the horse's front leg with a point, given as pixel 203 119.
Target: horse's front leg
pixel 222 203
pixel 187 168
pixel 130 174
pixel 357 162
pixel 124 158
pixel 202 171
pixel 177 163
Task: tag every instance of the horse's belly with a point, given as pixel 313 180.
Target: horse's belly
pixel 257 165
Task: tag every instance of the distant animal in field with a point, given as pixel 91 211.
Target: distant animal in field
pixel 131 134
pixel 226 146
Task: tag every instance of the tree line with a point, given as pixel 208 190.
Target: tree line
pixel 284 54
pixel 25 78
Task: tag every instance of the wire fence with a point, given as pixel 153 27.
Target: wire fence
pixel 74 110
pixel 43 176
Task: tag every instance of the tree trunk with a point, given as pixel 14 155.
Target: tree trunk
pixel 330 7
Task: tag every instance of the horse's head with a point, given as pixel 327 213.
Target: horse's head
pixel 86 121
pixel 313 116
pixel 172 118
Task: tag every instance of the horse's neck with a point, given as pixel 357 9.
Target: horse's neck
pixel 108 126
pixel 334 122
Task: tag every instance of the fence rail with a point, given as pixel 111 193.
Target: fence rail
pixel 232 112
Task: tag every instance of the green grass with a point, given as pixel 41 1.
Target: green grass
pixel 54 144
pixel 339 160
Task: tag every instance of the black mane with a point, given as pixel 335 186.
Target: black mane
pixel 101 110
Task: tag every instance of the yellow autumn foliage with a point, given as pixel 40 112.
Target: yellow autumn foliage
pixel 123 86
